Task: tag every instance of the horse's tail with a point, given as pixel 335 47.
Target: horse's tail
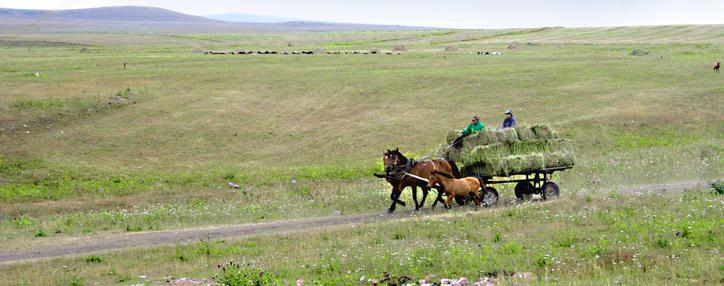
pixel 455 170
pixel 482 184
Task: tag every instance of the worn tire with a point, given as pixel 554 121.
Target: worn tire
pixel 524 190
pixel 550 191
pixel 489 197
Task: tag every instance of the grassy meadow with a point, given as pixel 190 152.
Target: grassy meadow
pixel 89 147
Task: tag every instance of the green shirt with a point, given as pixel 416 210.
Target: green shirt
pixel 473 128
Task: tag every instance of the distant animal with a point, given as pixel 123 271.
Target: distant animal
pixel 717 66
pixel 402 172
pixel 457 187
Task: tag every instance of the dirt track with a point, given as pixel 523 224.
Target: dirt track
pixel 109 242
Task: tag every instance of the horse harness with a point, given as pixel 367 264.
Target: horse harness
pixel 408 166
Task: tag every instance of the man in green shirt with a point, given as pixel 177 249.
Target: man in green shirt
pixel 474 127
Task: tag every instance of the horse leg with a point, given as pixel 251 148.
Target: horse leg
pixel 440 191
pixel 395 197
pixel 425 190
pixel 448 202
pixel 414 197
pixel 399 193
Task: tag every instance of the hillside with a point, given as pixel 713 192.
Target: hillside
pixel 104 14
pixel 250 18
pixel 135 19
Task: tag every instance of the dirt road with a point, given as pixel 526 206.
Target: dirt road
pixel 110 242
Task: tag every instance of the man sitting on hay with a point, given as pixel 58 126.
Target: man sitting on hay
pixel 474 127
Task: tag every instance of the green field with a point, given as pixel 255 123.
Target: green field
pixel 182 124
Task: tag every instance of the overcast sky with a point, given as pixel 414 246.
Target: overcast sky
pixel 438 13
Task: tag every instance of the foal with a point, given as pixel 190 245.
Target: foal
pixel 457 187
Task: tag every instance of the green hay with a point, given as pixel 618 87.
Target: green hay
pixel 530 146
pixel 487 158
pixel 508 135
pixel 543 132
pixel 452 135
pixel 449 153
pixel 525 133
pixel 523 163
pixel 503 152
pixel 559 159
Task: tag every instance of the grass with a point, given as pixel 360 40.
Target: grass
pixel 72 166
pixel 642 239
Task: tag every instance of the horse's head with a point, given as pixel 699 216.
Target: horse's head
pixel 393 159
pixel 434 179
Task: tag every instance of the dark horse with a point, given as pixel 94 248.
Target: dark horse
pixel 717 66
pixel 402 172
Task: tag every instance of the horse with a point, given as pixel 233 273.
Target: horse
pixel 457 187
pixel 402 172
pixel 717 66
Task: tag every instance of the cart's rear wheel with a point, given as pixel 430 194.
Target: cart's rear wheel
pixel 489 197
pixel 524 190
pixel 550 191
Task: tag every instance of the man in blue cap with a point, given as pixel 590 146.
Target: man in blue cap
pixel 509 121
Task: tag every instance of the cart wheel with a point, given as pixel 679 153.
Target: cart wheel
pixel 550 191
pixel 489 197
pixel 461 200
pixel 524 190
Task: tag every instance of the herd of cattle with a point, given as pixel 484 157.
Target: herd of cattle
pixel 373 52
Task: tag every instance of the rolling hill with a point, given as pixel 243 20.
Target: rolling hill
pixel 136 19
pixel 105 14
pixel 250 18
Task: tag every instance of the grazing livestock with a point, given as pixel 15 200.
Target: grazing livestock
pixel 717 66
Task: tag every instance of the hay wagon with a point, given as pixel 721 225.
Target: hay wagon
pixel 525 156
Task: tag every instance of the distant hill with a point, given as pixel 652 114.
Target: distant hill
pixel 115 14
pixel 136 19
pixel 250 18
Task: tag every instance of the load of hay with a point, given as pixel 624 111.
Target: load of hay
pixel 504 152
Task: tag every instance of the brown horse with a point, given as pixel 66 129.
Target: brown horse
pixel 402 172
pixel 457 187
pixel 717 66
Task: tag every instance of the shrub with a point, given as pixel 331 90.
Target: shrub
pixel 93 259
pixel 237 274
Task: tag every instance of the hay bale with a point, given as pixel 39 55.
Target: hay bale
pixel 484 137
pixel 507 135
pixel 449 153
pixel 489 158
pixel 559 159
pixel 525 133
pixel 523 163
pixel 529 146
pixel 543 132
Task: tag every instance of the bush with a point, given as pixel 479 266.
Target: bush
pixel 93 259
pixel 238 274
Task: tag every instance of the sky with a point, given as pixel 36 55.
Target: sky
pixel 440 13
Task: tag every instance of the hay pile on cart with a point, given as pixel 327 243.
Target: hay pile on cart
pixel 512 151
